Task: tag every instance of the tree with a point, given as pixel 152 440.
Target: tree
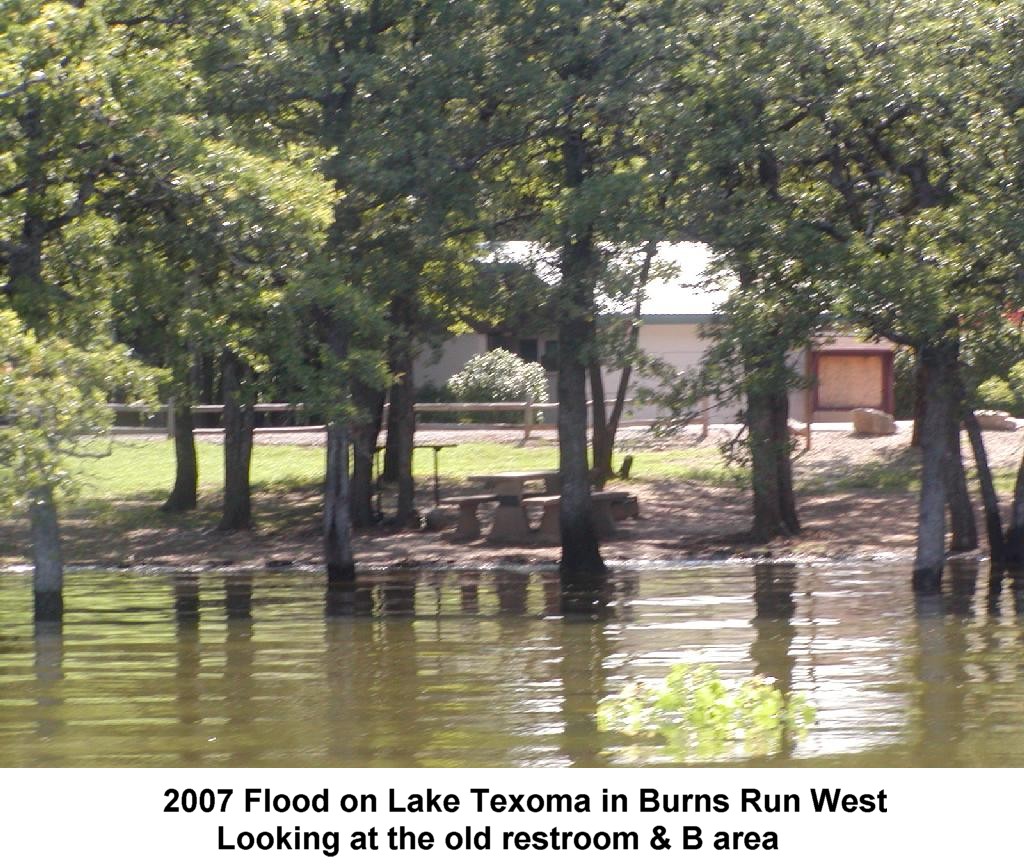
pixel 53 398
pixel 62 127
pixel 740 134
pixel 920 149
pixel 618 350
pixel 384 91
pixel 888 137
pixel 571 82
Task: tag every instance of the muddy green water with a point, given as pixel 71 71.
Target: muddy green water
pixel 480 669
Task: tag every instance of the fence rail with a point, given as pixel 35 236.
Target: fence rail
pixel 527 411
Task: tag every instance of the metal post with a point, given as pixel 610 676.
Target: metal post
pixel 437 484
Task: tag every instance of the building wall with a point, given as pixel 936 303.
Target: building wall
pixel 682 346
pixel 437 367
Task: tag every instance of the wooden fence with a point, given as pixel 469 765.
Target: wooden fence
pixel 532 416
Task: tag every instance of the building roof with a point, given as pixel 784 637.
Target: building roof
pixel 681 288
pixel 685 288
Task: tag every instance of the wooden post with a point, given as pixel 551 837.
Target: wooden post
pixel 527 418
pixel 170 418
pixel 808 403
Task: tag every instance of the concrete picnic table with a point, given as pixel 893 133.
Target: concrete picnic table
pixel 510 524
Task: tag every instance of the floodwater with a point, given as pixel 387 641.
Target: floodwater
pixel 479 669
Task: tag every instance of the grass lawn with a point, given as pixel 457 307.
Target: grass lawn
pixel 141 472
pixel 117 504
pixel 144 470
pixel 120 493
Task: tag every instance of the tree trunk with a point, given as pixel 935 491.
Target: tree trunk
pixel 581 565
pixel 764 477
pixel 771 469
pixel 606 424
pixel 48 576
pixel 401 435
pixel 938 365
pixel 603 438
pixel 990 502
pixel 958 497
pixel 338 552
pixel 369 408
pixel 184 495
pixel 1014 547
pixel 784 461
pixel 920 387
pixel 615 416
pixel 239 421
pixel 581 561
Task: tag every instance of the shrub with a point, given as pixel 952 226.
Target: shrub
pixel 430 393
pixel 698 716
pixel 904 383
pixel 996 394
pixel 1015 377
pixel 499 376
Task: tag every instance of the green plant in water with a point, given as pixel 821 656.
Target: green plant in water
pixel 699 716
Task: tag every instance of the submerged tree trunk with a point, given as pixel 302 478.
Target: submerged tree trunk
pixel 401 435
pixel 48 564
pixel 990 502
pixel 239 422
pixel 964 537
pixel 581 565
pixel 369 407
pixel 338 552
pixel 184 495
pixel 939 369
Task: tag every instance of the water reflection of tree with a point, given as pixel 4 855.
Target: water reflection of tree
pixel 48 667
pixel 941 633
pixel 774 632
pixel 585 648
pixel 998 662
pixel 372 673
pixel 188 666
pixel 239 657
pixel 589 634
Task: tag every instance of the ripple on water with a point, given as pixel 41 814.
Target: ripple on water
pixel 478 668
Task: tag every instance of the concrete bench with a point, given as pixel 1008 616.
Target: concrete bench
pixel 468 526
pixel 623 504
pixel 550 528
pixel 609 507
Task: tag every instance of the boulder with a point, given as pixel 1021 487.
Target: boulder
pixel 995 420
pixel 868 421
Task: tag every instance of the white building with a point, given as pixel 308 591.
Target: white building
pixel 845 372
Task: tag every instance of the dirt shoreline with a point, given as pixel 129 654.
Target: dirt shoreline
pixel 680 521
